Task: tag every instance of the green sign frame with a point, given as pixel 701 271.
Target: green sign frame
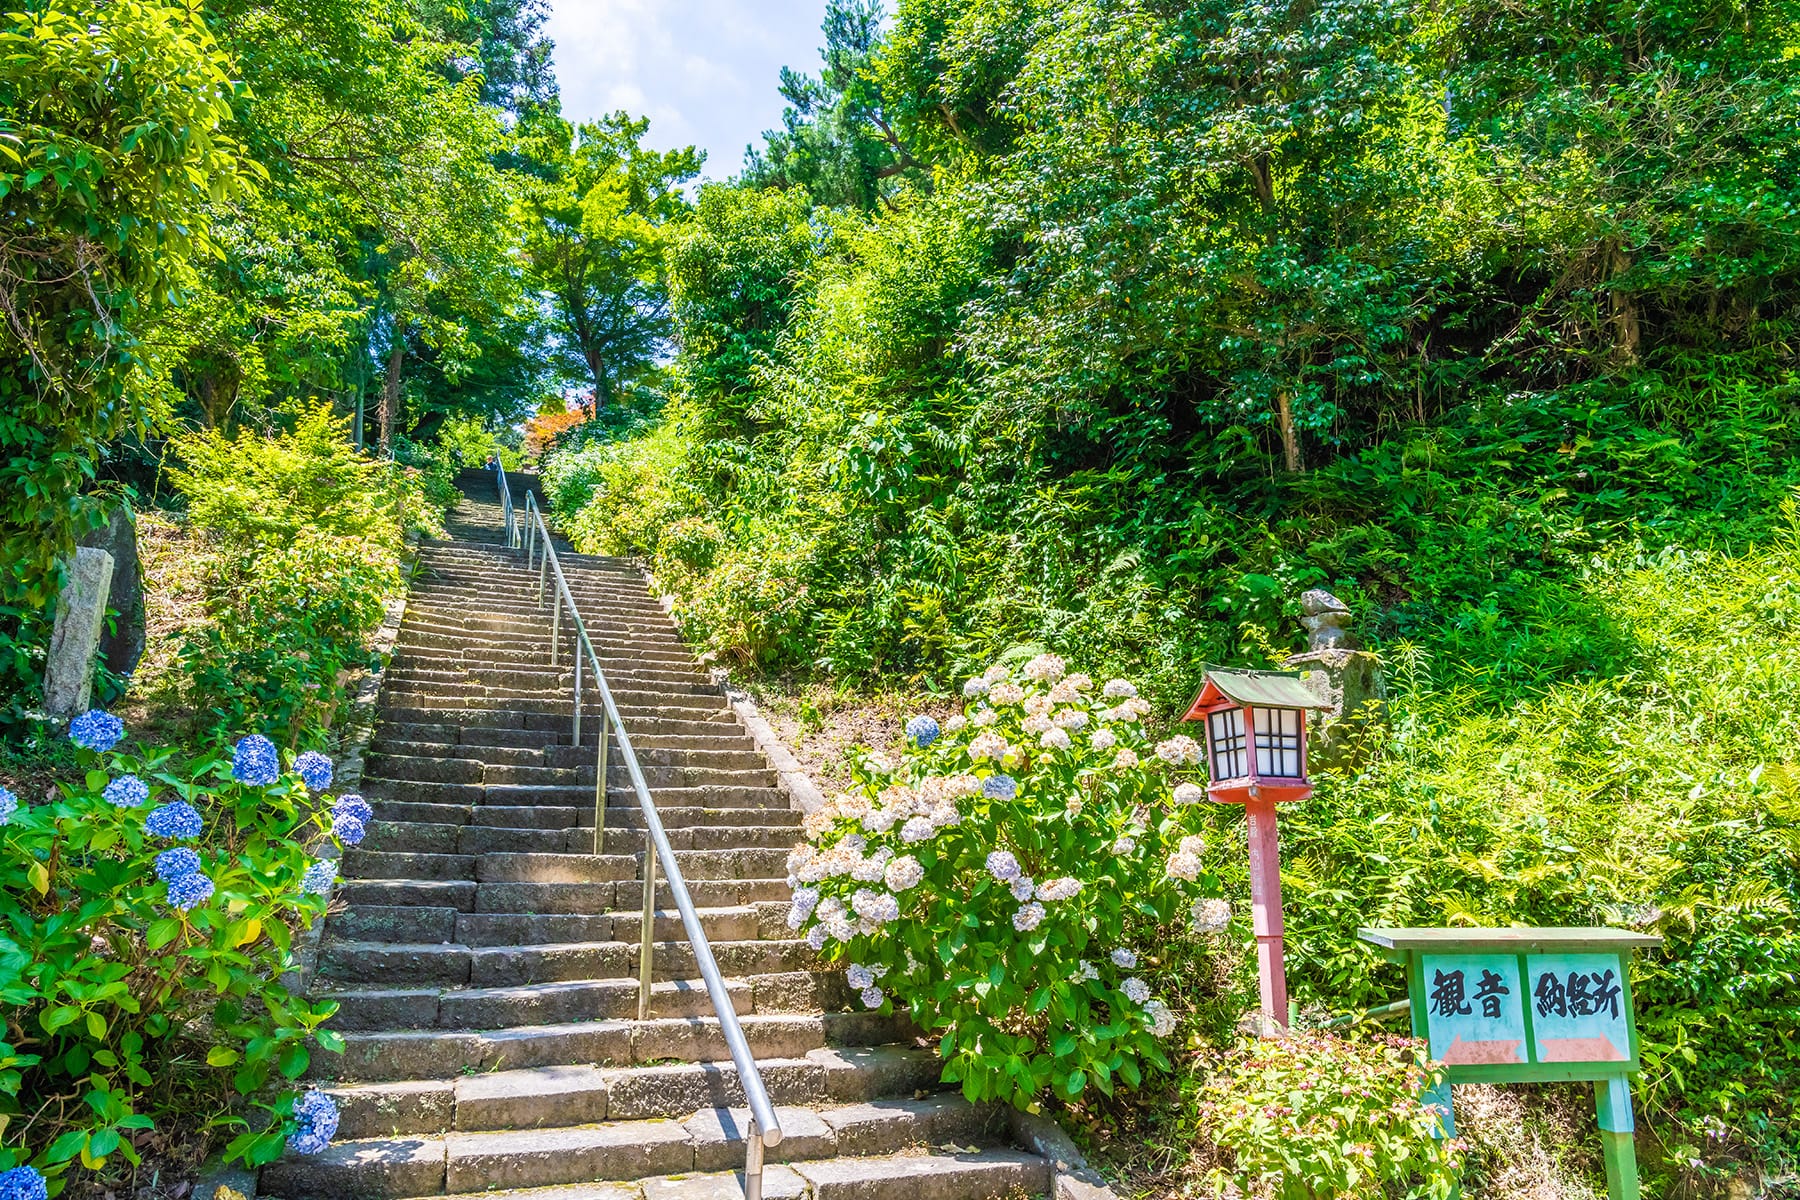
pixel 1530 983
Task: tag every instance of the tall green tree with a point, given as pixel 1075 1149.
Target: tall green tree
pixel 595 237
pixel 114 138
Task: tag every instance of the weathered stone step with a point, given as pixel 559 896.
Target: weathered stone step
pixel 469 896
pixel 387 1055
pixel 419 923
pixel 566 816
pixel 456 964
pixel 826 1077
pixel 435 838
pixel 374 1008
pixel 512 868
pixel 488 1146
pixel 532 796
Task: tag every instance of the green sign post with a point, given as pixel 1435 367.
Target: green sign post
pixel 1529 1006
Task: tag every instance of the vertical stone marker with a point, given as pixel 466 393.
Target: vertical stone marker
pixel 80 613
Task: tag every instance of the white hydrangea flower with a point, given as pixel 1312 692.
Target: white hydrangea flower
pixel 872 997
pixel 1193 844
pixel 1136 990
pixel 1045 668
pixel 868 926
pixel 876 907
pixel 1003 866
pixel 1189 793
pixel 944 816
pixel 1085 971
pixel 977 686
pixel 880 820
pixel 1055 739
pixel 1070 718
pixel 1065 888
pixel 870 869
pixel 996 674
pixel 1065 691
pixel 830 908
pixel 1119 689
pixel 1162 1021
pixel 1037 723
pixel 840 929
pixel 917 829
pixel 985 745
pixel 956 724
pixel 880 763
pixel 904 873
pixel 1211 916
pixel 1125 957
pixel 1029 917
pixel 1103 739
pixel 1125 759
pixel 1006 693
pixel 815 938
pixel 1178 750
pixel 1182 865
pixel 1124 846
pixel 812 872
pixel 1023 889
pixel 860 977
pixel 983 718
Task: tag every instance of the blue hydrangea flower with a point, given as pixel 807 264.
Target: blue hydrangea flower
pixel 9 804
pixel 127 791
pixel 922 731
pixel 185 891
pixel 353 805
pixel 96 730
pixel 255 762
pixel 176 819
pixel 314 770
pixel 173 864
pixel 23 1183
pixel 319 877
pixel 348 829
pixel 999 787
pixel 315 1123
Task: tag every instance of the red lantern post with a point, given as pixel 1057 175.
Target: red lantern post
pixel 1255 723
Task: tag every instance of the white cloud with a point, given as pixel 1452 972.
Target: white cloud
pixel 703 71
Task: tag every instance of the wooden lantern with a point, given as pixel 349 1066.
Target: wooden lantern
pixel 1255 725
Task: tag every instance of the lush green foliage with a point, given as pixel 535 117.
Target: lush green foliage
pixel 1310 1116
pixel 995 878
pixel 122 1006
pixel 1482 318
pixel 112 143
pixel 307 537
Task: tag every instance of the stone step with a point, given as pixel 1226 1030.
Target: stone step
pixel 387 1055
pixel 415 924
pixel 413 836
pixel 534 796
pixel 469 896
pixel 518 868
pixel 826 1077
pixel 511 965
pixel 567 816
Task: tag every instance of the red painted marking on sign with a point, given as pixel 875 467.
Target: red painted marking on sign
pixel 1582 1049
pixel 1470 1053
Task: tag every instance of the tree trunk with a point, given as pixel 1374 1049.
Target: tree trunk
pixel 1626 330
pixel 603 396
pixel 390 394
pixel 1290 437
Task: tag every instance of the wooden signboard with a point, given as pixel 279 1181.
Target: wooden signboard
pixel 1529 1005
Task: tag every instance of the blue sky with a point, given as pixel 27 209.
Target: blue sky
pixel 703 71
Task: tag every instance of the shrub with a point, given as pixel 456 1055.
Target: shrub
pixel 147 916
pixel 1308 1115
pixel 308 539
pixel 996 876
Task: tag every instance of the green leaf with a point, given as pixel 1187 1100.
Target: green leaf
pixel 221 1056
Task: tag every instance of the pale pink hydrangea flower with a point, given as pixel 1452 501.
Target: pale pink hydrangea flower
pixel 904 873
pixel 1006 693
pixel 1103 739
pixel 987 745
pixel 1178 750
pixel 1125 759
pixel 1189 793
pixel 1029 917
pixel 983 718
pixel 1211 916
pixel 1064 888
pixel 1055 739
pixel 1045 668
pixel 1037 723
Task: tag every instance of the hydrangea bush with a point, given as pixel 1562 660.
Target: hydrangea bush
pixel 147 915
pixel 993 879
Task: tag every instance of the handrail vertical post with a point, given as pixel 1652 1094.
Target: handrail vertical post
pixel 753 1162
pixel 649 927
pixel 555 629
pixel 575 734
pixel 600 784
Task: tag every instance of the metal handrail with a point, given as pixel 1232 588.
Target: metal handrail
pixel 764 1129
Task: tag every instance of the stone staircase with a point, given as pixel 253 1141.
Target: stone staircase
pixel 486 958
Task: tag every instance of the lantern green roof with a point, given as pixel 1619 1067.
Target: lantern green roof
pixel 1273 689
